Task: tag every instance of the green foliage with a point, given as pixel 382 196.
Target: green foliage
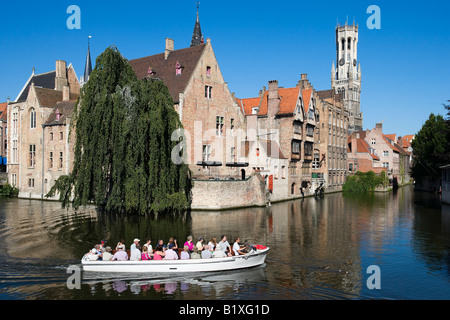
pixel 431 147
pixel 123 144
pixel 8 191
pixel 365 182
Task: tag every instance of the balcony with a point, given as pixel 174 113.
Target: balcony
pixel 295 156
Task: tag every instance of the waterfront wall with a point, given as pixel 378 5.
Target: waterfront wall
pixel 218 195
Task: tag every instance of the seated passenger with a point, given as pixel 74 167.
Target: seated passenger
pixel 170 255
pixel 206 253
pixel 195 254
pixel 92 255
pixel 219 253
pixel 189 243
pixel 199 244
pixel 172 244
pixel 185 253
pixel 159 253
pixel 237 248
pixel 145 255
pixel 107 255
pixel 120 255
pixel 212 243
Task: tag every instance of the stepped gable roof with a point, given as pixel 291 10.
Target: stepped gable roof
pixel 43 80
pixel 165 69
pixel 65 109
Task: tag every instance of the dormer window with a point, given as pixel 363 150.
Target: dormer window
pixel 150 71
pixel 179 69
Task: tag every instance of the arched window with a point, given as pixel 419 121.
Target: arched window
pixel 293 188
pixel 343 44
pixel 349 43
pixel 32 118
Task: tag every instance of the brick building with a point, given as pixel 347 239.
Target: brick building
pixel 330 155
pixel 287 117
pixel 30 146
pixel 385 152
pixel 212 120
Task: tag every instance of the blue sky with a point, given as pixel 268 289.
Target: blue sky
pixel 405 65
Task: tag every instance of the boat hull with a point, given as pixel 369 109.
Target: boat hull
pixel 178 266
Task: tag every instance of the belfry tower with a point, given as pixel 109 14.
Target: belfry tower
pixel 346 77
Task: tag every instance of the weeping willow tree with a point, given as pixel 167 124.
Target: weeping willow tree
pixel 123 147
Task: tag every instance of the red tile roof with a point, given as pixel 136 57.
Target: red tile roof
pixel 306 98
pixel 4 111
pixel 248 104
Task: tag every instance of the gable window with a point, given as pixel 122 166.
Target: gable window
pixel 15 122
pixel 385 153
pixel 208 92
pixel 255 110
pixel 219 126
pixel 32 156
pixel 32 118
pixel 208 71
pixel 232 126
pixel 373 141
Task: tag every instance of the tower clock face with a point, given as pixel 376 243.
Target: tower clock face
pixel 341 62
pixel 354 62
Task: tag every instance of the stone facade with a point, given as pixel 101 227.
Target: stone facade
pixel 29 146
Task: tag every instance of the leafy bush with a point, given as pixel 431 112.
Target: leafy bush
pixel 365 182
pixel 8 191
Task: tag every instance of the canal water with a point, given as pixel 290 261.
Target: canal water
pixel 321 249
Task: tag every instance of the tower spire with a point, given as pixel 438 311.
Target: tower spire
pixel 197 36
pixel 88 66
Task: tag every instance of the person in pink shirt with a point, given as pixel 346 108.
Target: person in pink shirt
pixel 159 253
pixel 145 255
pixel 189 243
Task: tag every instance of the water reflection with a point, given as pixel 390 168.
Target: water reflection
pixel 320 249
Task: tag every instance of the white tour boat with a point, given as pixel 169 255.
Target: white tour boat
pixel 249 260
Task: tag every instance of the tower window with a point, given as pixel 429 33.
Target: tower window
pixel 349 43
pixel 343 44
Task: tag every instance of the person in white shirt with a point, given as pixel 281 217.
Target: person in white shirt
pixel 224 245
pixel 135 253
pixel 237 248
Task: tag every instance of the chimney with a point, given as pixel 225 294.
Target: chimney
pixel 66 93
pixel 304 82
pixel 169 47
pixel 379 126
pixel 273 99
pixel 61 75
